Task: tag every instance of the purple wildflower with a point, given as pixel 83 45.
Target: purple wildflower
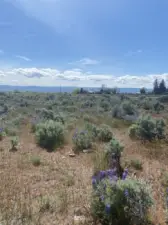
pixel 111 172
pixel 113 179
pixel 104 186
pixel 126 193
pixel 83 132
pixel 108 208
pixel 94 181
pixel 75 134
pixel 1 129
pixel 167 197
pixel 124 175
pixel 102 198
pixel 102 174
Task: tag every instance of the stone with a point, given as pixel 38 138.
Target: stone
pixel 72 154
pixel 79 220
pixel 78 212
pixel 87 150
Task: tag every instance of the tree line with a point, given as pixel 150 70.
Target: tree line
pixel 158 87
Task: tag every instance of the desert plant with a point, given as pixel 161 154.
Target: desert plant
pixel 49 134
pixel 105 105
pixel 114 149
pixel 81 140
pixel 160 128
pixel 36 161
pixel 137 164
pixel 158 107
pixel 45 113
pixel 113 155
pixel 92 129
pixel 147 104
pixel 2 134
pixel 163 99
pixel 116 112
pixel 104 133
pixel 148 128
pixel 128 108
pixel 101 133
pixel 14 143
pixel 116 201
pixel 133 130
pixel 11 131
pixel 86 117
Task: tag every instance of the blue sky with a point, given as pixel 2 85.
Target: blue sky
pixel 120 43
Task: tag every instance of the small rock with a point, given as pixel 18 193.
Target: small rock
pixel 72 154
pixel 63 157
pixel 14 149
pixel 87 150
pixel 78 212
pixel 79 220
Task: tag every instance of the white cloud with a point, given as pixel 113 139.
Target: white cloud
pixel 133 53
pixel 88 61
pixel 85 62
pixel 54 77
pixel 23 58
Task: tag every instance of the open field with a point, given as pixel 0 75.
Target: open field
pixel 40 186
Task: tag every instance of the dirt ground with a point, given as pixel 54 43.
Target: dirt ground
pixel 53 192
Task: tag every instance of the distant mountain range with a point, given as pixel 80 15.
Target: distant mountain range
pixel 5 88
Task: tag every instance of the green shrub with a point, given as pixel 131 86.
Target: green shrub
pixel 86 118
pixel 148 128
pixel 82 140
pixel 158 107
pixel 128 108
pixel 12 131
pixel 116 112
pixel 147 104
pixel 2 134
pixel 14 143
pixel 104 133
pixel 133 130
pixel 160 128
pixel 137 164
pixel 36 161
pixel 101 133
pixel 49 134
pixel 45 113
pixel 105 105
pixel 121 202
pixel 114 149
pixel 33 127
pixel 92 129
pixel 163 99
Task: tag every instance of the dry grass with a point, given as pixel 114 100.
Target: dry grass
pixel 47 194
pixel 51 193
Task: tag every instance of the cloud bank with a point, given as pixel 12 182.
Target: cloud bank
pixel 54 77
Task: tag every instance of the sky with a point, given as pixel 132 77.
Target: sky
pixel 85 43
